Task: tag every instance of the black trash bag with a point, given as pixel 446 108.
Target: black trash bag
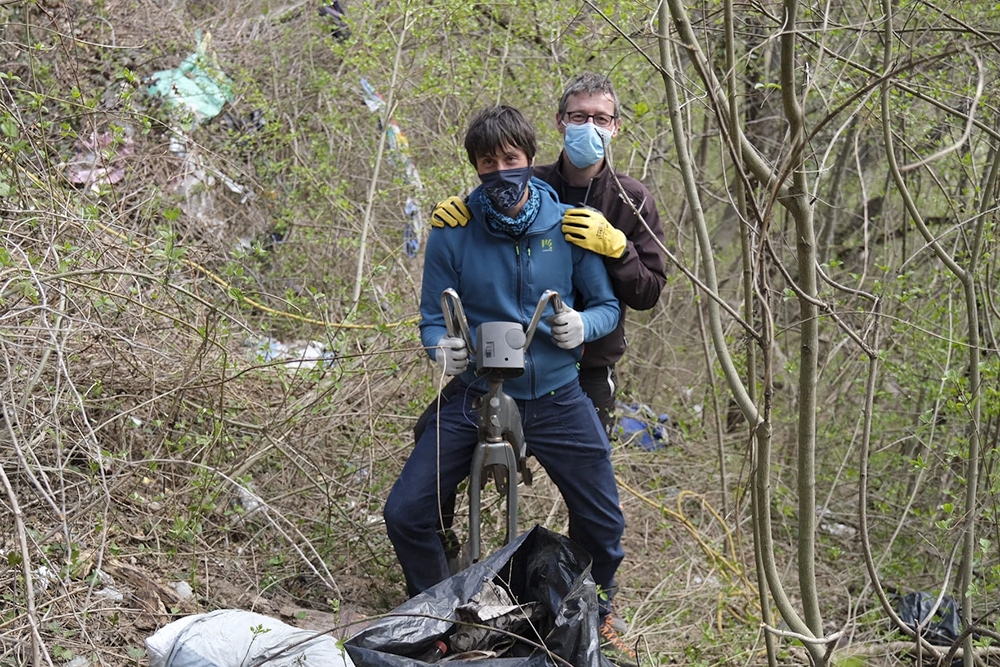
pixel 538 587
pixel 913 608
pixel 341 31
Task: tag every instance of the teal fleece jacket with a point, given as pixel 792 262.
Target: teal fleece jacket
pixel 500 279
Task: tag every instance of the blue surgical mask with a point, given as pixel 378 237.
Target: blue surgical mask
pixel 584 144
pixel 506 186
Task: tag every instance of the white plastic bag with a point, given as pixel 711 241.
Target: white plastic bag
pixel 237 638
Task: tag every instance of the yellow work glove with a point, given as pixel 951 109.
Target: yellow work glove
pixel 452 212
pixel 588 228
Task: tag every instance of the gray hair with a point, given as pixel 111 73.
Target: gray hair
pixel 589 83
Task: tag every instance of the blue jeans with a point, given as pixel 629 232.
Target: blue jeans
pixel 562 431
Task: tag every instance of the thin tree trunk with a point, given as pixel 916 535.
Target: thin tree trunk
pixel 967 278
pixel 809 323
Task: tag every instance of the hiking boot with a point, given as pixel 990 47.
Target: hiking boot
pixel 617 622
pixel 613 646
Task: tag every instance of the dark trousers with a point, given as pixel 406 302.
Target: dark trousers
pixel 601 384
pixel 563 434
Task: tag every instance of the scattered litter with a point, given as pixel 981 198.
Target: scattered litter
pixel 243 128
pixel 341 31
pixel 234 638
pixel 311 354
pixel 196 185
pixel 78 661
pixel 492 607
pixel 252 503
pixel 270 240
pixel 196 172
pixel 197 87
pixel 358 474
pixel 44 577
pixel 196 181
pixel 251 124
pixel 415 222
pixel 183 589
pixel 831 527
pixel 943 628
pixel 100 160
pixel 109 593
pixel 638 425
pixel 399 155
pixel 710 580
pixel 103 577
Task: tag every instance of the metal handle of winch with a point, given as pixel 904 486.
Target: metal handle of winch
pixel 548 295
pixel 454 316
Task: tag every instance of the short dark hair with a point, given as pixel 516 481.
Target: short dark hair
pixel 588 83
pixel 498 127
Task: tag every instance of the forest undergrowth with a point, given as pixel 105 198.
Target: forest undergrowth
pixel 211 363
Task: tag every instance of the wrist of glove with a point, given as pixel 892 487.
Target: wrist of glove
pixel 588 228
pixel 451 212
pixel 567 329
pixel 452 355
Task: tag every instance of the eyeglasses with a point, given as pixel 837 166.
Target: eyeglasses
pixel 579 118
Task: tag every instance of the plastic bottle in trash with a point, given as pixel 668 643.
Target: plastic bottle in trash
pixel 436 652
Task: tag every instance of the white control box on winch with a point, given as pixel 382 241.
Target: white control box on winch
pixel 500 347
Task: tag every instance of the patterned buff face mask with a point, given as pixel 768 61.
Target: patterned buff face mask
pixel 501 222
pixel 506 186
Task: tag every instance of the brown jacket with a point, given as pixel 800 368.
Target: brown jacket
pixel 638 275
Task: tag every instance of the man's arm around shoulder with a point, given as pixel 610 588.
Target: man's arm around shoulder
pixel 638 276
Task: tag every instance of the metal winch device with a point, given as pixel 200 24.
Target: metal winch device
pixel 501 449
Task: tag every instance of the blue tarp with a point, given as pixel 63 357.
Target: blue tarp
pixel 639 425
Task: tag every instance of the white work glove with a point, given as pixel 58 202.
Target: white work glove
pixel 567 329
pixel 452 354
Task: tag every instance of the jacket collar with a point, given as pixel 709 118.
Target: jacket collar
pixel 601 175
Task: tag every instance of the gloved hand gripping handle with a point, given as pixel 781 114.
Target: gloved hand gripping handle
pixel 548 295
pixel 454 317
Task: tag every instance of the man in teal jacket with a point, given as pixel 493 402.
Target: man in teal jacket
pixel 512 250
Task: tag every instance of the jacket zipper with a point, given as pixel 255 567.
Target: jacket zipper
pixel 524 267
